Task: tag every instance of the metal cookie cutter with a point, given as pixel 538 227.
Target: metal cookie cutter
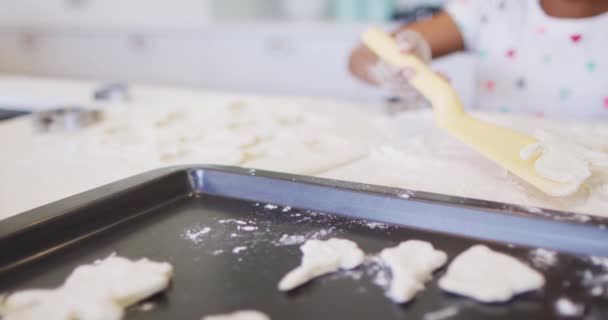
pixel 67 118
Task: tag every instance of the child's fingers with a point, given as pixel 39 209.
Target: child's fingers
pixel 362 61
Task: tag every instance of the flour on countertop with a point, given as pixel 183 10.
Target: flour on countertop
pixel 239 315
pixel 264 135
pixel 386 152
pixel 489 276
pixel 148 136
pixel 427 160
pixel 320 258
pixel 96 291
pixel 602 191
pixel 411 264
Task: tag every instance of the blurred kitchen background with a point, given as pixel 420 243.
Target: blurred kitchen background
pixel 284 47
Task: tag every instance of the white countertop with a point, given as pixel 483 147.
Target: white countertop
pixel 162 126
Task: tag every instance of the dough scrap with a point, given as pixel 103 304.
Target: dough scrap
pixel 320 258
pixel 489 276
pixel 239 315
pixel 412 264
pixel 96 291
pixel 565 159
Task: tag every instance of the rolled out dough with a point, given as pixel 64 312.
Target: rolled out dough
pixel 239 315
pixel 322 257
pixel 412 264
pixel 489 276
pixel 92 292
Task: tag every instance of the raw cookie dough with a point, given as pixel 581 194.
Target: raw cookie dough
pixel 411 263
pixel 564 159
pixel 239 315
pixel 489 276
pixel 322 257
pixel 97 291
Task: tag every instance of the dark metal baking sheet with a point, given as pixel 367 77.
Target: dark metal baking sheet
pixel 7 113
pixel 151 216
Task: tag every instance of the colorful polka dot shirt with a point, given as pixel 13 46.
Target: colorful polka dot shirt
pixel 529 62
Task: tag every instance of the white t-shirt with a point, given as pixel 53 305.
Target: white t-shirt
pixel 529 62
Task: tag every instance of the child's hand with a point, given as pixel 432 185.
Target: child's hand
pixel 366 66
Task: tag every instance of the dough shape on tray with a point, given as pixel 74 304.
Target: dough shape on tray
pixel 412 263
pixel 320 258
pixel 95 291
pixel 489 276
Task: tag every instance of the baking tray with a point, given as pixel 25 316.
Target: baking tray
pixel 9 113
pixel 163 214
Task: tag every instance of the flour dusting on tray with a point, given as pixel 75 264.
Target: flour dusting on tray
pixel 271 225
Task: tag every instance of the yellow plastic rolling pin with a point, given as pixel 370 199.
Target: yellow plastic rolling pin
pixel 499 144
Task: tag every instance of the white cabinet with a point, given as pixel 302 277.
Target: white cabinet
pixel 275 58
pixel 105 13
pixel 305 59
pixel 104 56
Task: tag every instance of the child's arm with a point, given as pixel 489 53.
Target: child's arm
pixel 441 33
